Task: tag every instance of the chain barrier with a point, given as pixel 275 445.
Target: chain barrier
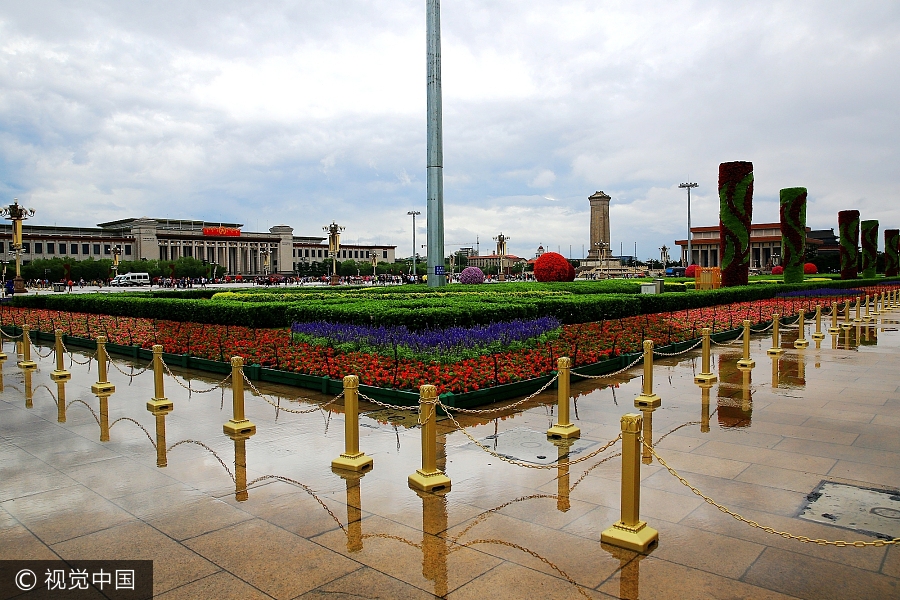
pixel 10 336
pixel 685 351
pixel 614 373
pixel 730 342
pixel 302 486
pixel 36 350
pixel 773 531
pixel 473 411
pixel 49 391
pixel 386 405
pixel 72 356
pixel 388 536
pixel 89 407
pixel 188 386
pixel 208 449
pixel 149 437
pixel 298 398
pixel 520 463
pixel 109 361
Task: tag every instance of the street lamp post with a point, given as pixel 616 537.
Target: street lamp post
pixel 265 252
pixel 603 246
pixel 116 252
pixel 334 244
pixel 17 214
pixel 413 213
pixel 688 186
pixel 374 266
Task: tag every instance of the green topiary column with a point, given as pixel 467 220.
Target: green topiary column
pixel 869 247
pixel 793 233
pixel 891 252
pixel 735 215
pixel 848 225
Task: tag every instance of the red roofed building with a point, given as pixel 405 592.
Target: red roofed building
pixel 765 246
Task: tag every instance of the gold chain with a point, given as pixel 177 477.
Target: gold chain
pixel 773 531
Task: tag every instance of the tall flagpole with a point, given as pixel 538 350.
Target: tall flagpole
pixel 435 176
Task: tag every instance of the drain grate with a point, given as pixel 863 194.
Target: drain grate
pixel 861 509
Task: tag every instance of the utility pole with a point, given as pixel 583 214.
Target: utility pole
pixel 435 164
pixel 688 186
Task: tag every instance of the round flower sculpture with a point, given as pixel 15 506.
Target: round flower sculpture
pixel 691 271
pixel 777 270
pixel 552 266
pixel 471 275
pixel 810 269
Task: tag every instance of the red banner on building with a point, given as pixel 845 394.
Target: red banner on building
pixel 226 231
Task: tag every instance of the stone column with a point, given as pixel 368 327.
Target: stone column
pixel 599 222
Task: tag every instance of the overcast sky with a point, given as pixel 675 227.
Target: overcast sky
pixel 305 112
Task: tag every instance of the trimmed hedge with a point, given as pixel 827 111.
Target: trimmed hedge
pixel 417 310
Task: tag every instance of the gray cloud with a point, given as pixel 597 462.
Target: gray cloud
pixel 314 111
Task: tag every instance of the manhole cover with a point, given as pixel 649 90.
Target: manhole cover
pixel 528 445
pixel 861 509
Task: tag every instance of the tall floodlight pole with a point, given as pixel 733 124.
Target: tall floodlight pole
pixel 690 256
pixel 414 213
pixel 435 177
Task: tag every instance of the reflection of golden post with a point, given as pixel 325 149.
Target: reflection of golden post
pixel 434 545
pixel 562 473
pixel 564 428
pixel 746 361
pixel 61 401
pixel 26 364
pixel 817 335
pixel 103 389
pixel 745 389
pixel 775 371
pixel 629 571
pixel 352 459
pixel 60 374
pixel 705 375
pixel 801 341
pixel 29 393
pixel 238 425
pixel 240 468
pixel 776 348
pixel 629 531
pixel 704 407
pixel 429 478
pixel 354 507
pixel 834 329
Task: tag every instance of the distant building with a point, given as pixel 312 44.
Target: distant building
pixel 765 245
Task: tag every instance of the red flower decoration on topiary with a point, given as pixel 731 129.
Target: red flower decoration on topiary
pixel 810 269
pixel 778 270
pixel 552 266
pixel 691 271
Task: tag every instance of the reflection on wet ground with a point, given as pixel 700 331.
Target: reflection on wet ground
pixel 87 476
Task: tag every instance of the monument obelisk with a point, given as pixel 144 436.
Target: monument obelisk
pixel 599 225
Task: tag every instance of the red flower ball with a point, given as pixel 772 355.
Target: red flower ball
pixel 810 269
pixel 779 270
pixel 552 266
pixel 691 271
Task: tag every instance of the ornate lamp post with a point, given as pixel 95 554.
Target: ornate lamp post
pixel 374 265
pixel 604 246
pixel 116 252
pixel 501 252
pixel 17 214
pixel 334 245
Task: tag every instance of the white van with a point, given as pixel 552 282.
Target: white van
pixel 131 279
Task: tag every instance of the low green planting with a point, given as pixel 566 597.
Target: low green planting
pixel 416 308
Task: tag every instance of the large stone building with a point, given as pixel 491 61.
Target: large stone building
pixel 225 244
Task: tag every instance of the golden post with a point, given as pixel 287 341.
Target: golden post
pixel 648 402
pixel 801 341
pixel 776 348
pixel 429 478
pixel 60 374
pixel 238 427
pixel 159 406
pixel 629 531
pixel 817 335
pixel 746 362
pixel 26 364
pixel 103 389
pixel 875 310
pixel 846 324
pixel 564 428
pixel 3 356
pixel 352 459
pixel 834 329
pixel 858 318
pixel 706 375
pixel 869 316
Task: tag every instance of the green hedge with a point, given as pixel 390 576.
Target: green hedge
pixel 416 310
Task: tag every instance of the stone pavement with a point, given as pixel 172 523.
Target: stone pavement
pixel 829 414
